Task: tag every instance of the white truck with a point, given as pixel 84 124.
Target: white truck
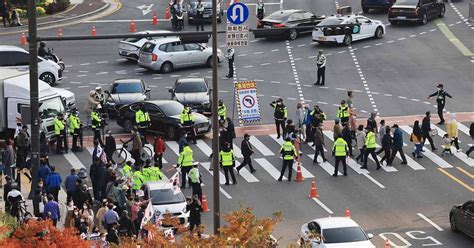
pixel 15 94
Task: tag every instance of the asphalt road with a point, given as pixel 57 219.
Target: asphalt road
pixel 399 71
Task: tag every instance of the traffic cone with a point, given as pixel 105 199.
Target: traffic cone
pixel 314 191
pixel 23 39
pixel 133 29
pixel 93 31
pixel 348 213
pixel 205 208
pixel 155 19
pixel 299 174
pixel 60 32
pixel 167 13
pixel 387 244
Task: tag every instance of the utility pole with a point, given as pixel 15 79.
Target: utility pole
pixel 215 128
pixel 34 94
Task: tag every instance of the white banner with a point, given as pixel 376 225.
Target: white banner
pixel 246 92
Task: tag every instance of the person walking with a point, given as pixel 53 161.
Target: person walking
pixel 247 152
pixel 51 210
pixel 230 57
pixel 307 124
pixel 53 183
pixel 280 114
pixel 230 134
pixel 196 180
pixel 347 136
pixel 417 139
pixel 70 184
pixel 110 217
pixel 343 113
pixel 22 146
pixel 227 161
pixel 441 95
pixel 397 145
pixel 319 144
pixel 199 16
pixel 288 153
pixel 159 149
pixel 372 123
pixel 186 119
pixel 339 150
pixel 300 117
pixel 452 130
pixel 471 133
pixel 321 64
pixel 370 144
pixel 380 135
pixel 185 160
pixel 426 130
pixel 221 110
pixel 194 208
pixel 360 142
pixel 386 146
pixel 5 13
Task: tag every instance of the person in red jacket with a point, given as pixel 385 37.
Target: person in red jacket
pixel 159 149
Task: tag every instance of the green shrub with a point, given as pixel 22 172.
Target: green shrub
pixel 40 11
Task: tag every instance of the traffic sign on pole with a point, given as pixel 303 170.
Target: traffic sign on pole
pixel 237 35
pixel 237 13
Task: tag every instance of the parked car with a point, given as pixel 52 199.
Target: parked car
pixel 367 5
pixel 18 58
pixel 169 53
pixel 335 232
pixel 461 218
pixel 125 91
pixel 67 96
pixel 164 115
pixel 207 10
pixel 194 92
pixel 333 29
pixel 419 11
pixel 287 24
pixel 129 48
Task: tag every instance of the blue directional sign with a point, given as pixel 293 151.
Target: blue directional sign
pixel 237 13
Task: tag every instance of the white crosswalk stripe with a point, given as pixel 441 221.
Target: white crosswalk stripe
pixel 173 146
pixel 207 165
pixel 411 162
pixel 305 172
pixel 249 177
pixel 351 163
pixel 461 156
pixel 237 151
pixel 206 149
pixel 74 161
pixel 463 128
pixel 261 147
pixel 325 165
pixel 269 168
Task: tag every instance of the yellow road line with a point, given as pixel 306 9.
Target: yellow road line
pixel 456 179
pixel 452 38
pixel 465 172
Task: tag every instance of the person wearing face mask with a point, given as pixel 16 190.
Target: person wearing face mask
pixel 280 114
pixel 69 220
pixel 247 151
pixel 441 95
pixel 88 214
pixel 100 215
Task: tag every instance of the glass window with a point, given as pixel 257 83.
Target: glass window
pixel 135 87
pixel 151 108
pixel 171 108
pixel 405 2
pixel 148 47
pixel 51 107
pixel 330 21
pixel 163 47
pixel 132 40
pixel 295 17
pixel 178 47
pixel 343 235
pixel 190 87
pixel 278 16
pixel 307 15
pixel 14 59
pixel 165 196
pixel 192 47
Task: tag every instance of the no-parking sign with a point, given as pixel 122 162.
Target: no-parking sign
pixel 246 94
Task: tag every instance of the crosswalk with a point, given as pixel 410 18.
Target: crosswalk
pixel 267 159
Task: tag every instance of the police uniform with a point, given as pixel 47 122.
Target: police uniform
pixel 195 178
pixel 60 132
pixel 321 64
pixel 142 118
pixel 227 160
pixel 75 130
pixel 288 151
pixel 186 119
pixel 441 101
pixel 126 171
pixel 339 150
pixel 230 59
pixel 147 177
pixel 138 180
pixel 96 125
pixel 343 113
pixel 185 160
pixel 260 10
pixel 156 174
pixel 280 114
pixel 370 145
pixel 199 16
pixel 222 111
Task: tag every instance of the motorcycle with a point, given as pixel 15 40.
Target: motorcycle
pixel 52 56
pixel 177 22
pixel 180 20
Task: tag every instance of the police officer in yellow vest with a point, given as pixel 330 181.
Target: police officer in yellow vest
pixel 146 171
pixel 127 169
pixel 339 149
pixel 227 161
pixel 288 152
pixel 96 124
pixel 196 181
pixel 343 112
pixel 138 180
pixel 75 130
pixel 185 160
pixel 60 132
pixel 156 173
pixel 186 119
pixel 142 119
pixel 221 110
pixel 370 145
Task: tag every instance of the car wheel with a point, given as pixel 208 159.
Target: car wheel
pixel 293 34
pixel 379 32
pixel 127 126
pixel 452 223
pixel 48 77
pixel 347 39
pixel 424 19
pixel 171 133
pixel 441 13
pixel 166 67
pixel 365 10
pixel 209 62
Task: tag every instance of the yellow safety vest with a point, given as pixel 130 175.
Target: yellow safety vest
pixel 141 116
pixel 58 126
pixel 340 147
pixel 186 157
pixel 138 180
pixel 370 140
pixel 343 111
pixel 288 150
pixel 222 111
pixel 74 123
pixel 227 158
pixel 96 120
pixel 147 174
pixel 156 174
pixel 194 175
pixel 185 116
pixel 126 170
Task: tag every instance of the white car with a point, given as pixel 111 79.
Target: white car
pixel 334 29
pixel 335 232
pixel 67 96
pixel 18 58
pixel 129 48
pixel 165 200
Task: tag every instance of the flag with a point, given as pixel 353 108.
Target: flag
pixel 175 181
pixel 148 214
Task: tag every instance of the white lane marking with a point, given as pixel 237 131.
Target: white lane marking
pixel 261 147
pixel 461 156
pixel 351 163
pixel 282 61
pixel 74 161
pixel 173 146
pixel 274 82
pixel 374 181
pixel 204 147
pixel 402 97
pixel 103 62
pixel 241 55
pixel 102 73
pixel 411 162
pixel 325 165
pixel 361 75
pixel 248 66
pixel 423 33
pixel 403 38
pixel 430 222
pixel 322 205
pixel 269 168
pixel 463 128
pixel 225 193
pixel 175 75
pixel 83 86
pixel 390 41
pixel 83 71
pixel 249 177
pixel 275 50
pixel 304 171
pixel 257 53
pixel 301 45
pixel 120 60
pixel 295 72
pixel 67 66
pixel 75 82
pixel 207 166
pixel 263 64
pixel 85 64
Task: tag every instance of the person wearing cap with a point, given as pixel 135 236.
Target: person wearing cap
pixel 185 161
pixel 247 151
pixel 230 59
pixel 96 120
pixel 227 162
pixel 142 119
pixel 280 114
pixel 75 130
pixel 195 177
pixel 91 104
pixel 370 145
pixel 426 130
pixel 397 145
pixel 288 153
pixel 339 150
pixel 441 95
pixel 321 64
pixel 221 110
pixel 70 184
pixel 60 132
pixel 343 113
pixel 186 119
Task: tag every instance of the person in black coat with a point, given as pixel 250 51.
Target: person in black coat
pixel 81 196
pixel 347 136
pixel 110 146
pixel 6 189
pixel 230 136
pixel 112 235
pixel 425 130
pixel 195 208
pixel 387 143
pixel 106 179
pixel 247 151
pixel 471 133
pixel 126 227
pixel 97 177
pixel 37 198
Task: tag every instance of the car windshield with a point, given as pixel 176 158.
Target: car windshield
pixel 343 235
pixel 330 21
pixel 404 2
pixel 132 40
pixel 51 107
pixel 120 88
pixel 190 87
pixel 171 108
pixel 165 196
pixel 278 16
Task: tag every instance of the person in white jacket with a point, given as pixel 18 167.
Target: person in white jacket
pixel 360 142
pixel 301 119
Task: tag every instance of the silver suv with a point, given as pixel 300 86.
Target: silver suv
pixel 169 53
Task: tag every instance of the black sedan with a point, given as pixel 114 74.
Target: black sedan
pixel 164 115
pixel 287 24
pixel 125 91
pixel 419 11
pixel 461 218
pixel 194 92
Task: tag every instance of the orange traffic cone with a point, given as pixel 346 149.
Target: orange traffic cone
pixel 348 213
pixel 299 174
pixel 205 208
pixel 23 39
pixel 133 29
pixel 387 244
pixel 60 32
pixel 155 19
pixel 93 31
pixel 167 13
pixel 314 191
